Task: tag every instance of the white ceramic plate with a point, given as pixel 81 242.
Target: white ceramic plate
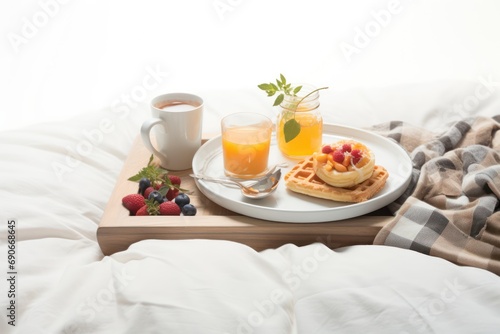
pixel 286 206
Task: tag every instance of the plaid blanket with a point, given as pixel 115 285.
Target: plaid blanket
pixel 451 207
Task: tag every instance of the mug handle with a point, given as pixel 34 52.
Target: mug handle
pixel 146 138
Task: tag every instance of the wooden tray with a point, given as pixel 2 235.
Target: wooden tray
pixel 118 230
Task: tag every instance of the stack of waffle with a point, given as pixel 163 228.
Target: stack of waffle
pixel 303 178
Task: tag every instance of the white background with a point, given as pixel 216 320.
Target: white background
pixel 82 56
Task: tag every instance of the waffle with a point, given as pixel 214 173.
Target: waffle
pixel 302 179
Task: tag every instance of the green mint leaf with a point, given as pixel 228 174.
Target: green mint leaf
pixel 278 100
pixel 264 86
pixel 163 190
pixel 280 84
pixel 274 87
pixel 135 178
pixel 296 90
pixel 283 80
pixel 144 172
pixel 291 129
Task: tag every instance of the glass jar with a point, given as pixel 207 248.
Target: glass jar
pixel 308 117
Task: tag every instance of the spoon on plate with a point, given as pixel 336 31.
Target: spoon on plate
pixel 255 189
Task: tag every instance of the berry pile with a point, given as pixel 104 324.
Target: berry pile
pixel 343 157
pixel 158 194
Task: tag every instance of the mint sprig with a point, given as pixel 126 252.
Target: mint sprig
pixel 281 86
pixel 157 176
pixel 291 128
pixel 154 173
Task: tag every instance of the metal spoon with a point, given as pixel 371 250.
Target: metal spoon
pixel 251 188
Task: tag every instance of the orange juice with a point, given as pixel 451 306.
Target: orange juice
pixel 246 150
pixel 309 139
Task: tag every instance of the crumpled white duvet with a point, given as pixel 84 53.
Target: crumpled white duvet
pixel 57 192
pixel 200 286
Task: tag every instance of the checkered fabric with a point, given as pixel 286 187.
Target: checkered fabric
pixel 451 207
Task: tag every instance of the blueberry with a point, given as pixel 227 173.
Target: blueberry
pixel 156 195
pixel 182 199
pixel 189 210
pixel 144 183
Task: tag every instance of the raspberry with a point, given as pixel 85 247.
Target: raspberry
pixel 356 156
pixel 175 180
pixel 171 194
pixel 326 149
pixel 169 209
pixel 356 153
pixel 338 156
pixel 346 148
pixel 148 191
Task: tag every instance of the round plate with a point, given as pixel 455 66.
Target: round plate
pixel 290 207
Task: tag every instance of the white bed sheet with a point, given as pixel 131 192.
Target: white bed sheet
pixel 57 189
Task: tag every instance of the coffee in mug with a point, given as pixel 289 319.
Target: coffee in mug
pixel 176 105
pixel 176 127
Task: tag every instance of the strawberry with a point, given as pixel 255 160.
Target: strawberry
pixel 133 202
pixel 169 209
pixel 143 211
pixel 148 191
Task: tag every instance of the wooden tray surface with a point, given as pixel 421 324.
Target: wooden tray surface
pixel 118 230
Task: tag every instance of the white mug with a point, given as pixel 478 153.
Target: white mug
pixel 177 119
